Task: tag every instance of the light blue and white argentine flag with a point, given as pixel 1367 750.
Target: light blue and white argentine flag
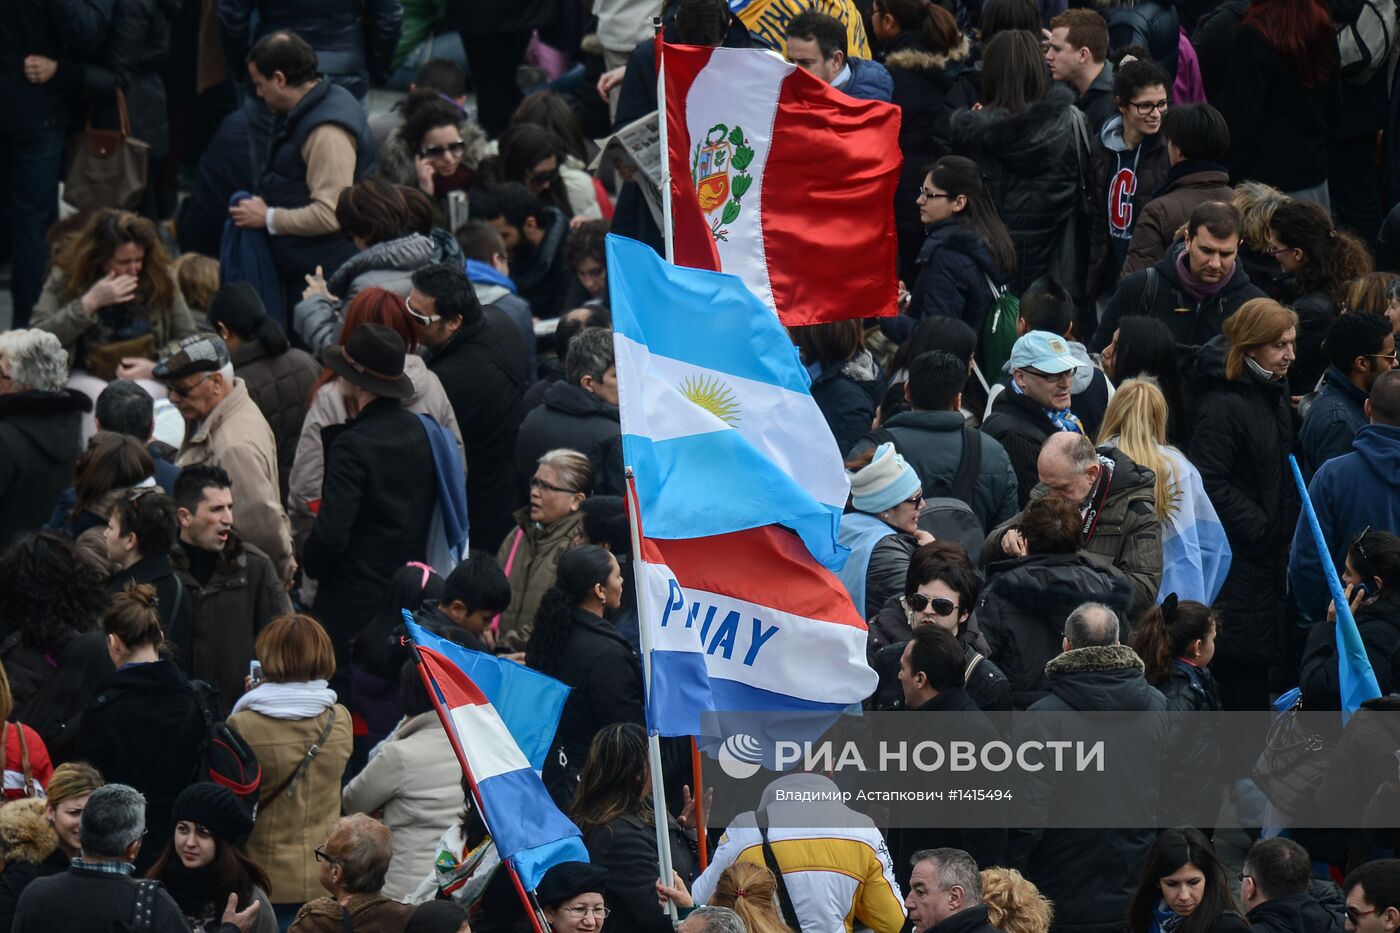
pixel 718 422
pixel 1195 552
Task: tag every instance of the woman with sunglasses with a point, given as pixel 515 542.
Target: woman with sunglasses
pixel 533 156
pixel 1184 889
pixel 1318 262
pixel 437 149
pixel 1372 587
pixel 881 527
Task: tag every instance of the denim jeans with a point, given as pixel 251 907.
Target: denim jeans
pixel 30 167
pixel 446 45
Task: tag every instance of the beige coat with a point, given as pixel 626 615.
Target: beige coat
pixel 532 572
pixel 67 320
pixel 289 829
pixel 416 780
pixel 237 437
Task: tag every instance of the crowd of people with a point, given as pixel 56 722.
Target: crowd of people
pixel 301 367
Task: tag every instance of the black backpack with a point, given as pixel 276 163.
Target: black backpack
pixel 950 517
pixel 224 756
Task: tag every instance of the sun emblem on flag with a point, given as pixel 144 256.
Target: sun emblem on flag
pixel 712 395
pixel 723 150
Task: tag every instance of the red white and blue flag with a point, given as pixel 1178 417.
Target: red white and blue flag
pixel 780 179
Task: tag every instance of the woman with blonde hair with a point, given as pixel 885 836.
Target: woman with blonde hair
pixel 751 892
pixel 1194 561
pixel 1370 293
pixel 1256 203
pixel 1014 904
pixel 39 838
pixel 1243 435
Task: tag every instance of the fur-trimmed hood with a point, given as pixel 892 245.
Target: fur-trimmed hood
pixel 1025 142
pixel 1099 658
pixel 25 833
pixel 912 56
pixel 394 161
pixel 1100 679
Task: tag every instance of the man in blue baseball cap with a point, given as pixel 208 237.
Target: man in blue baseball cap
pixel 1036 404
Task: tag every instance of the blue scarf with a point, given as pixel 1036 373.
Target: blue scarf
pixel 478 271
pixel 1063 420
pixel 1164 919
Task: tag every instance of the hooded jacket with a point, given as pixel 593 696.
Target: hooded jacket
pixel 1124 180
pixel 1091 874
pixel 847 395
pixel 955 275
pixel 29 850
pixel 868 81
pixel 1036 166
pixel 1148 24
pixel 574 418
pixel 1128 534
pixel 1023 608
pixel 1337 414
pixel 40 434
pixel 1096 103
pixel 1243 435
pixel 494 288
pixel 1187 185
pixel 1348 493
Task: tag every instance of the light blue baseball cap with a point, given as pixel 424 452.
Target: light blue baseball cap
pixel 1044 351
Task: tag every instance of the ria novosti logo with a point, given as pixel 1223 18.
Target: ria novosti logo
pixel 740 756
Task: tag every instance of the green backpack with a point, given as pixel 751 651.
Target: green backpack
pixel 998 331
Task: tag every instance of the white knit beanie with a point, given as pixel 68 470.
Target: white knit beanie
pixel 886 482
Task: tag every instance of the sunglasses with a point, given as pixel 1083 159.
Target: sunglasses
pixel 940 606
pixel 419 318
pixel 437 152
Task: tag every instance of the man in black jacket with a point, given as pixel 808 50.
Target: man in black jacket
pixel 536 236
pixel 1274 890
pixel 480 357
pixel 379 491
pixel 1192 289
pixel 580 413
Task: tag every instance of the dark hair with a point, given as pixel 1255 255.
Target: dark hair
pixel 1174 849
pixel 1279 866
pixel 999 16
pixel 1385 399
pixel 1163 634
pixel 826 31
pixel 1047 306
pixel 111 461
pixel 373 210
pixel 893 402
pixel 935 379
pixel 700 22
pixel 605 523
pixel 1146 347
pixel 424 110
pixel 232 871
pixel 947 563
pixel 1381 558
pixel 1133 77
pixel 1334 257
pixel 478 583
pixel 1198 130
pixel 132 616
pixel 934 651
pixel 1014 75
pixel 287 52
pixel 443 76
pixel 588 241
pixel 480 241
pixel 418 208
pixel 1221 219
pixel 437 916
pixel 1379 880
pixel 239 307
pixel 446 283
pixel 937 333
pixel 510 201
pixel 125 407
pixel 1050 525
pixel 193 480
pixel 1300 31
pixel 580 570
pixel 570 327
pixel 1085 29
pixel 49 592
pixel 614 779
pixel 150 516
pixel 829 344
pixel 413 696
pixel 523 146
pixel 958 175
pixel 1353 335
pixel 936 26
pixel 551 111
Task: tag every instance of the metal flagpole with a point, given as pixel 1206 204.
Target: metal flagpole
pixel 532 910
pixel 644 612
pixel 666 225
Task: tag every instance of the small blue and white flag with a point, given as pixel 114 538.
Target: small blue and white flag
pixel 718 421
pixel 1195 552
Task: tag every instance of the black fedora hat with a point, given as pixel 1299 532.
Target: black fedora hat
pixel 373 360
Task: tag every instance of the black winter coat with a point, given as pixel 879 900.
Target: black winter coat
pixel 890 632
pixel 1019 424
pixel 54 29
pixel 847 396
pixel 1294 913
pixel 1363 759
pixel 1211 38
pixel 482 368
pixel 954 268
pixel 626 847
pixel 575 418
pixel 143 727
pixel 928 89
pixel 50 699
pixel 1091 874
pixel 1191 779
pixel 376 505
pixel 281 388
pixel 605 675
pixel 1379 624
pixel 1241 441
pixel 1316 314
pixel 17 876
pixel 40 439
pixel 175 605
pixel 1149 24
pixel 1022 612
pixel 1036 165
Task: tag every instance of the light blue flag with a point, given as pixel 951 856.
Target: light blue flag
pixel 1195 551
pixel 718 422
pixel 528 702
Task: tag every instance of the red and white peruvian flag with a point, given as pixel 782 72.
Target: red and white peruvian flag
pixel 780 179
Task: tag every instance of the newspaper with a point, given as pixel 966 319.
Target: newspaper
pixel 633 153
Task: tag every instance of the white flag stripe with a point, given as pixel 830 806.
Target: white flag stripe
pixel 487 743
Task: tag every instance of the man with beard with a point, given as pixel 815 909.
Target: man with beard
pixel 536 236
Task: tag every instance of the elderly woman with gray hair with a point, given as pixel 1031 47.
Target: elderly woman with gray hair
pixel 354 860
pixel 40 429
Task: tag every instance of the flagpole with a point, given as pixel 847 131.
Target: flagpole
pixel 661 121
pixel 531 910
pixel 702 836
pixel 644 613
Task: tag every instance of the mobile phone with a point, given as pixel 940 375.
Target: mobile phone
pixel 254 673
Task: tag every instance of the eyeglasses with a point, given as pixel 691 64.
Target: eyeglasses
pixel 1243 876
pixel 1145 108
pixel 1355 914
pixel 1392 356
pixel 927 195
pixel 437 152
pixel 1066 376
pixel 323 856
pixel 579 911
pixel 542 179
pixel 537 483
pixel 1278 252
pixel 940 605
pixel 136 492
pixel 173 390
pixel 419 318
